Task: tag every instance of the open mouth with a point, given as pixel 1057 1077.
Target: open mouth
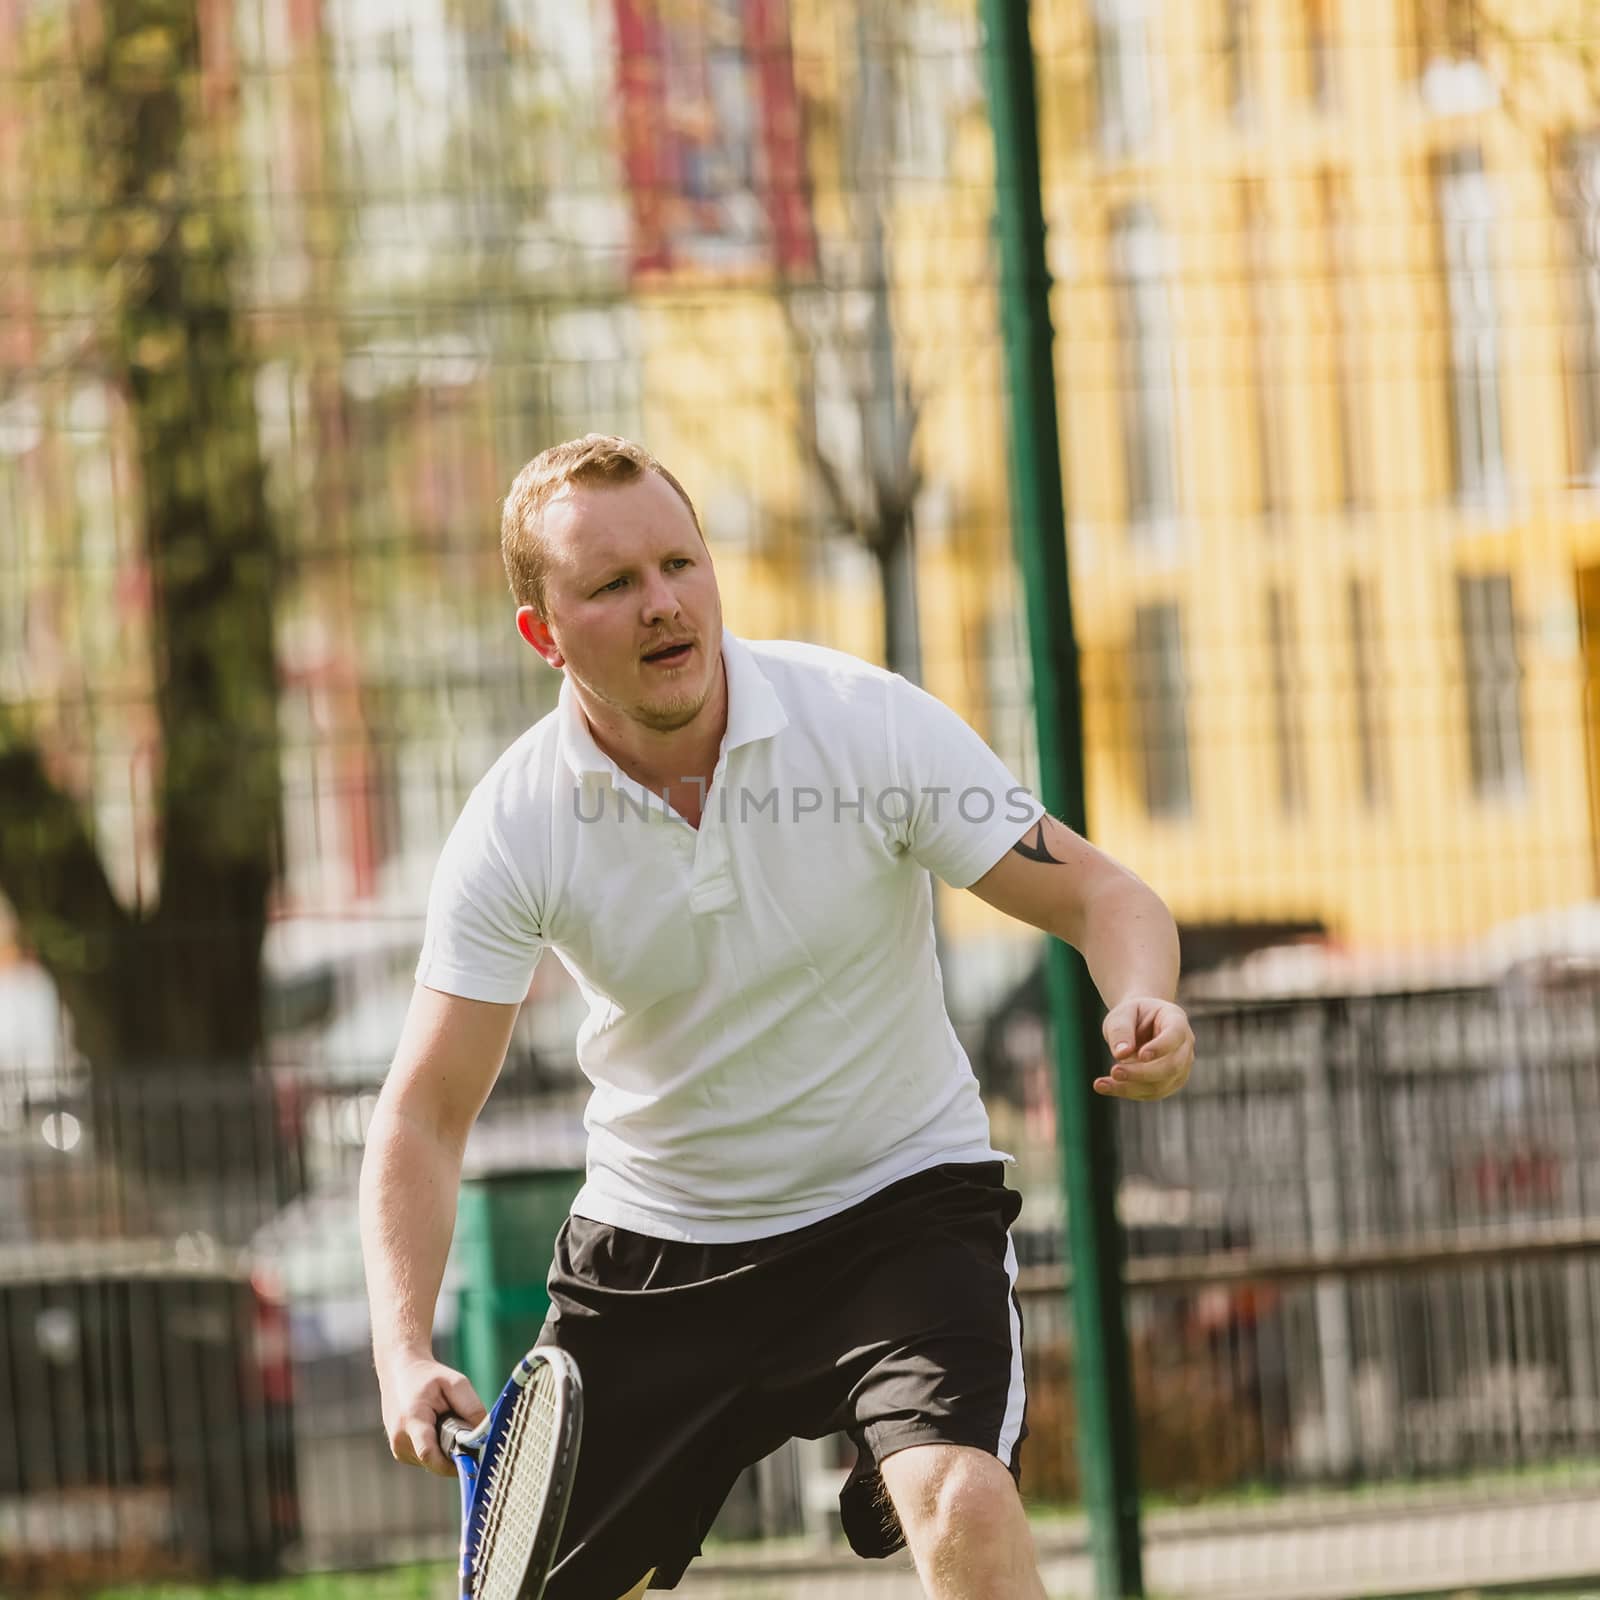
pixel 670 656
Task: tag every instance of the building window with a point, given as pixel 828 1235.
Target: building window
pixel 1288 733
pixel 1443 30
pixel 933 62
pixel 1271 445
pixel 1163 704
pixel 710 143
pixel 1581 204
pixel 587 371
pixel 1366 682
pixel 1320 52
pixel 1238 58
pixel 1149 399
pixel 1348 419
pixel 1122 72
pixel 1493 677
pixel 1466 215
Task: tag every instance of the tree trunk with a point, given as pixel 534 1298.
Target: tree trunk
pixel 176 990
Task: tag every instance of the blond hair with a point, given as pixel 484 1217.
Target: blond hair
pixel 596 458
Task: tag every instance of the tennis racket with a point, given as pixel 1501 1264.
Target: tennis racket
pixel 516 1469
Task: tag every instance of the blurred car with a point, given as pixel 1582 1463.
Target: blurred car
pixel 153 1431
pixel 307 1264
pixel 307 1258
pixel 39 1065
pixel 337 991
pixel 356 1507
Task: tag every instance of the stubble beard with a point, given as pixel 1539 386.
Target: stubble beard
pixel 659 716
pixel 677 709
pixel 668 716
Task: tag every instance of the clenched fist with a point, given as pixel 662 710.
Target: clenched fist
pixel 417 1392
pixel 1152 1049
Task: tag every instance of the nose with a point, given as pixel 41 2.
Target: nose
pixel 658 600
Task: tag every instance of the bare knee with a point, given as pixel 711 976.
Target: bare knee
pixel 944 1491
pixel 637 1591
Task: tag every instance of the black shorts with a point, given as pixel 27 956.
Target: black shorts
pixel 896 1322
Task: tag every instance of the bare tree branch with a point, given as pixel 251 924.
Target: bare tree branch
pixel 51 871
pixel 48 862
pixel 828 475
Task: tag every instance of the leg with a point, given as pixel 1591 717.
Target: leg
pixel 637 1591
pixel 964 1522
pixel 661 1436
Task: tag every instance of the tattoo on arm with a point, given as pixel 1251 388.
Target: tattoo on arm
pixel 1035 849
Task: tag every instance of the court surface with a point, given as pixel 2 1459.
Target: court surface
pixel 1255 1555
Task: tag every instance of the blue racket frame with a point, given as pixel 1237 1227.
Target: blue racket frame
pixel 468 1448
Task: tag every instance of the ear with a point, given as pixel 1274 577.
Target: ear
pixel 537 632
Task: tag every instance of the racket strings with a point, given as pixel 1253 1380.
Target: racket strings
pixel 516 1490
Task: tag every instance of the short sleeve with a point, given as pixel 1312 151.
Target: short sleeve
pixel 482 940
pixel 964 808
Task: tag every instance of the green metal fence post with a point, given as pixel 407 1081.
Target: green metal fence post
pixel 1106 1444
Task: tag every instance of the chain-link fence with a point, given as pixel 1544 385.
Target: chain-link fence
pixel 291 289
pixel 1361 1302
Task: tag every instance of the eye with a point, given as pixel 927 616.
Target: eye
pixel 680 562
pixel 609 588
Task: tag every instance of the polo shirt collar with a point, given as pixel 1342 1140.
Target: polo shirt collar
pixel 754 709
pixel 754 712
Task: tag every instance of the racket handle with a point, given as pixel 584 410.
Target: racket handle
pixel 450 1430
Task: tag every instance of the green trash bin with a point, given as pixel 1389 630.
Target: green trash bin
pixel 506 1226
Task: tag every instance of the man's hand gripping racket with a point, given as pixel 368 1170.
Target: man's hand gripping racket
pixel 516 1469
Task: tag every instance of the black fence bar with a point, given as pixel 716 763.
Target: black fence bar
pixel 1472 1248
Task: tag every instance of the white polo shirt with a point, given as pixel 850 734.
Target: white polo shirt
pixel 767 1037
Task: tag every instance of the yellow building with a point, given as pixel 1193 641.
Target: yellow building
pixel 1328 344
pixel 1326 367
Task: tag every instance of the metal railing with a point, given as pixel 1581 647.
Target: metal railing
pixel 1435 1321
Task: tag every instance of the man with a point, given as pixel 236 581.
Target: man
pixel 793 1222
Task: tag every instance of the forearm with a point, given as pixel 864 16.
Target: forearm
pixel 1129 942
pixel 410 1178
